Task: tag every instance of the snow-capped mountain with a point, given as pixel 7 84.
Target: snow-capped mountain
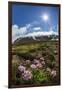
pixel 36 37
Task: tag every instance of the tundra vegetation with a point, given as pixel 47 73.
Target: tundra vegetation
pixel 35 63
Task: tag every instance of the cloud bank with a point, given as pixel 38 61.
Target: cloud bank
pixel 18 32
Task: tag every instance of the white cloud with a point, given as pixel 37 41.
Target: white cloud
pixel 41 33
pixel 17 32
pixel 37 28
pixel 15 26
pixel 22 30
pixel 28 26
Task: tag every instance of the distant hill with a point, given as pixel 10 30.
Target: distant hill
pixel 23 40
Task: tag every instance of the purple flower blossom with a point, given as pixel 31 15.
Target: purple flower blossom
pixel 21 68
pixel 33 66
pixel 36 64
pixel 39 65
pixel 53 73
pixel 43 63
pixel 36 61
pixel 27 75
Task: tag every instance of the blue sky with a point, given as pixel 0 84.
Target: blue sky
pixel 29 20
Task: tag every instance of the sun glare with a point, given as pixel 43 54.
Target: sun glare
pixel 45 17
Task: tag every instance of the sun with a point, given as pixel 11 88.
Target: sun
pixel 45 17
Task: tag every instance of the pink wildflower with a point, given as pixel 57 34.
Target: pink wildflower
pixel 36 61
pixel 39 65
pixel 33 66
pixel 43 63
pixel 53 73
pixel 21 68
pixel 27 75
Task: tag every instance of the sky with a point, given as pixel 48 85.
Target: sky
pixel 29 20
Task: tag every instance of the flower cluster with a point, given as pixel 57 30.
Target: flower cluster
pixel 33 66
pixel 53 73
pixel 27 75
pixel 21 68
pixel 38 63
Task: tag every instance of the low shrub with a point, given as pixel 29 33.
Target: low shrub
pixel 40 76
